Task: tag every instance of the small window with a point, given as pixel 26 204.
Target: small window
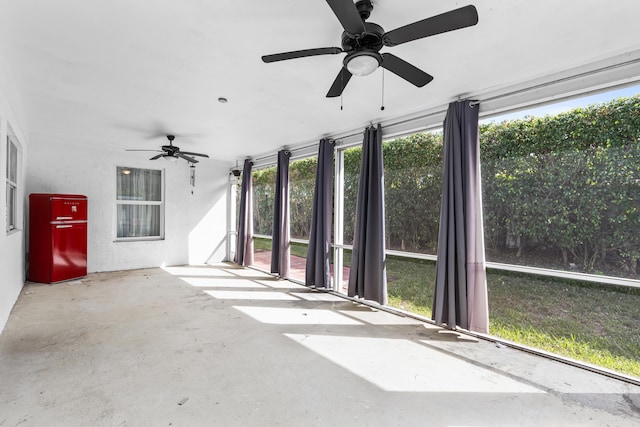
pixel 12 184
pixel 139 204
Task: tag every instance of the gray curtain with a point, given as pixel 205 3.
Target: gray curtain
pixel 460 296
pixel 280 249
pixel 244 242
pixel 368 275
pixel 318 268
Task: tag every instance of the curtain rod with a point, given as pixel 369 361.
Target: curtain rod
pixel 291 150
pixel 474 102
pixel 562 80
pixel 338 138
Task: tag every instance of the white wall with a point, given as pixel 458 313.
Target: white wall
pixel 12 261
pixel 195 224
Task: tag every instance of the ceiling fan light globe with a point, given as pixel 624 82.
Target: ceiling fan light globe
pixel 363 63
pixel 170 158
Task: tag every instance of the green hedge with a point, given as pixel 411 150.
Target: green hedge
pixel 563 187
pixel 567 183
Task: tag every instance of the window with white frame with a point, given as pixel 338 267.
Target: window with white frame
pixel 12 184
pixel 139 204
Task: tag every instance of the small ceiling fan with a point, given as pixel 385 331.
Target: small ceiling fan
pixel 362 41
pixel 171 152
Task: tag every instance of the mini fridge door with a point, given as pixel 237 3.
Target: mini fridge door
pixel 68 251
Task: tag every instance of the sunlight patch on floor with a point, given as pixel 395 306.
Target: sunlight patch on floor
pixel 252 295
pixel 318 296
pixel 404 366
pixel 219 282
pixel 456 336
pixel 296 316
pixel 196 271
pixel 380 318
pixel 249 273
pixel 281 284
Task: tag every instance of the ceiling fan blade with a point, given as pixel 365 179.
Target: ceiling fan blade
pixel 339 83
pixel 159 151
pixel 348 15
pixel 187 158
pixel 448 21
pixel 301 54
pixel 194 154
pixel 405 70
pixel 156 157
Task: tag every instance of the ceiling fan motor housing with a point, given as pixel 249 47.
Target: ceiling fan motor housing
pixel 170 149
pixel 371 39
pixel 365 45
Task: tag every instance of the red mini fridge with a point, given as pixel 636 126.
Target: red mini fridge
pixel 57 237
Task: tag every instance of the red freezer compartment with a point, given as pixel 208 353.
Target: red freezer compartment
pixel 69 208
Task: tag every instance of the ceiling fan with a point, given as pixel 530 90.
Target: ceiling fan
pixel 171 152
pixel 362 41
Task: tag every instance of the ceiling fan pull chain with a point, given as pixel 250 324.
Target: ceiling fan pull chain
pixel 342 86
pixel 382 103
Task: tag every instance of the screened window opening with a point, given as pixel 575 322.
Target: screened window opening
pixel 139 203
pixel 413 191
pixel 264 182
pixel 302 179
pixel 12 185
pixel 561 191
pixel 560 194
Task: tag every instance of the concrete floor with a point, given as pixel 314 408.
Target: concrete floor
pixel 219 345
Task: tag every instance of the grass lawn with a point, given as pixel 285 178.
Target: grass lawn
pixel 297 249
pixel 410 284
pixel 589 322
pixel 593 323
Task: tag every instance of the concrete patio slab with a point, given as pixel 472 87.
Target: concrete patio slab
pixel 155 347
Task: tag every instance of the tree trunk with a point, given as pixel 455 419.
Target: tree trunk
pixel 594 259
pixel 585 258
pixel 520 247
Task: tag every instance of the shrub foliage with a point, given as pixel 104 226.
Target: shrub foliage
pixel 563 187
pixel 568 183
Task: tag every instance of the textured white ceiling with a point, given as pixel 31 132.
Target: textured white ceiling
pixel 122 73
